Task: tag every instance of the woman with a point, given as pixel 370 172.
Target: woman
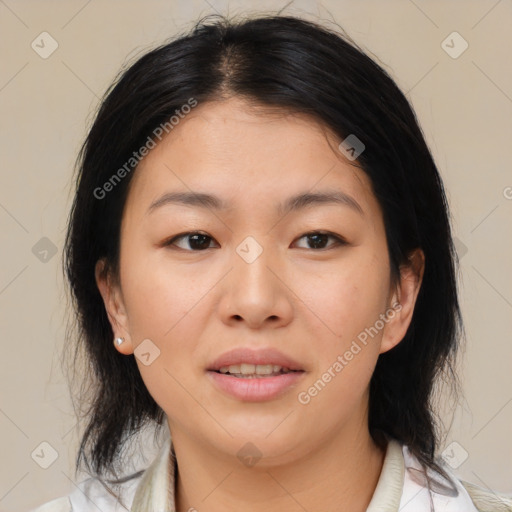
pixel 261 231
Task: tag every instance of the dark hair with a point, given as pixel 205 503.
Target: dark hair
pixel 296 66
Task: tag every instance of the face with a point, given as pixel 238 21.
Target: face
pixel 288 284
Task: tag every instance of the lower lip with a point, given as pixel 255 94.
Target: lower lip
pixel 255 389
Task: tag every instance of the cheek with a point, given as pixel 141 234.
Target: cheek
pixel 348 297
pixel 350 303
pixel 160 297
pixel 350 300
pixel 164 305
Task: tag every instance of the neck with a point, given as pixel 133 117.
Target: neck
pixel 340 474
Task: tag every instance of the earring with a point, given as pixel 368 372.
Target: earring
pixel 118 341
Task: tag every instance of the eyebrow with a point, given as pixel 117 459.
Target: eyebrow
pixel 293 203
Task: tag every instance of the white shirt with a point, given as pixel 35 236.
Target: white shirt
pixel 401 488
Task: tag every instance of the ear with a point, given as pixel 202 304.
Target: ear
pixel 114 306
pixel 403 301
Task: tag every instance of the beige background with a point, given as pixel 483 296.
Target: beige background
pixel 464 106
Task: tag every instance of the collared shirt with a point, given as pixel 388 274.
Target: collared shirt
pixel 402 487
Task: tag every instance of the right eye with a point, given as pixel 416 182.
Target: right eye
pixel 195 240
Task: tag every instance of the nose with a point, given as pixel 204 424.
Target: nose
pixel 255 292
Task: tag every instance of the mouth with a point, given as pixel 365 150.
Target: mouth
pixel 255 375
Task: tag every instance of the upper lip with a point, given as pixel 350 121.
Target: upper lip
pixel 251 356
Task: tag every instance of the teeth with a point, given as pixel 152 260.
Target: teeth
pixel 246 369
pixel 265 369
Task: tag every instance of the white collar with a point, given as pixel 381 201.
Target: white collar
pixel 155 491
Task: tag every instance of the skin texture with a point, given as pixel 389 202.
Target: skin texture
pixel 309 303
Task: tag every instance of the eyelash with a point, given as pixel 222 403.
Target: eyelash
pixel 338 240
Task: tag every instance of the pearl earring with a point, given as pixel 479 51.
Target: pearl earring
pixel 118 341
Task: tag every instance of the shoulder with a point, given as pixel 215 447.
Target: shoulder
pixel 453 495
pixel 92 495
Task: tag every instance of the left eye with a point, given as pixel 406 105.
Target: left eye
pixel 195 241
pixel 318 240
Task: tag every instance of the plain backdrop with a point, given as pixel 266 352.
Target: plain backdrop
pixel 463 100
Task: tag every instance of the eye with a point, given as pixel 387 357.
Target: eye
pixel 319 240
pixel 195 241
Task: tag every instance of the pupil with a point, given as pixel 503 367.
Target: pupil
pixel 319 239
pixel 193 240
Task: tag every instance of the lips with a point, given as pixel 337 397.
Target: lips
pixel 255 375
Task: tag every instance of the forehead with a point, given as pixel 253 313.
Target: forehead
pixel 242 152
